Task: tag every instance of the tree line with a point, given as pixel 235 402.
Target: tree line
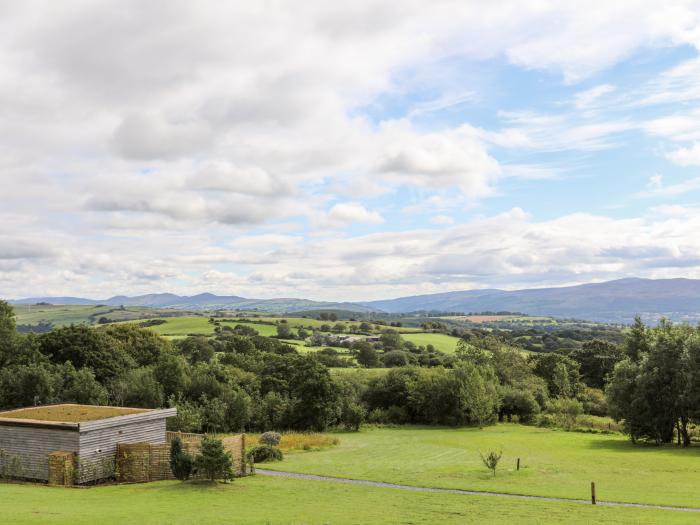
pixel 238 380
pixel 655 389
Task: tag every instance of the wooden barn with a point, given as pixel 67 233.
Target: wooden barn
pixel 76 440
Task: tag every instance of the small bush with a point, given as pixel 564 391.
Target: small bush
pixel 264 453
pixel 270 438
pixel 181 463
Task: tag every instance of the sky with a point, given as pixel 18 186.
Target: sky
pixel 346 150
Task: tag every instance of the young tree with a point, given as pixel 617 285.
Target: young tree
pixel 214 460
pixel 491 460
pixel 479 387
pixel 181 463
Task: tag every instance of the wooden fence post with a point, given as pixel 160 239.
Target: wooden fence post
pixel 518 467
pixel 593 492
pixel 243 458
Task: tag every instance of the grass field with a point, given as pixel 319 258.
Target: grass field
pixel 554 463
pixel 62 315
pixel 179 326
pixel 442 342
pixel 265 500
pixel 58 315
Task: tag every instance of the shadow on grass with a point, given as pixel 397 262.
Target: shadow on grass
pixel 618 445
pixel 199 486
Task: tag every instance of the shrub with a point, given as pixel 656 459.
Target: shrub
pixel 520 403
pixel 565 411
pixel 264 453
pixel 181 462
pixel 270 438
pixel 395 358
pixel 594 402
pixel 377 415
pixel 352 415
pixel 214 460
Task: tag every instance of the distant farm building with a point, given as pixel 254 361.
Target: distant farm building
pixel 75 442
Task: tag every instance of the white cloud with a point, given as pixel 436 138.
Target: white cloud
pixel 657 188
pixel 686 156
pixel 677 127
pixel 584 100
pixel 346 214
pixel 556 132
pixel 454 158
pixel 442 220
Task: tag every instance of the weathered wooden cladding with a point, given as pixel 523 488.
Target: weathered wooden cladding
pixel 94 442
pixel 25 449
pixel 98 440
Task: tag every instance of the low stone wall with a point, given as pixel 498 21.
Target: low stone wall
pixel 142 462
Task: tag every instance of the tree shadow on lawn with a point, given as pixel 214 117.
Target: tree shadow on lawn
pixel 199 485
pixel 618 445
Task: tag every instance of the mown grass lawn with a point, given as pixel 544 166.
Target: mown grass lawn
pixel 553 463
pixel 265 500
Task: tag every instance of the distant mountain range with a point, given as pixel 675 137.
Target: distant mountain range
pixel 204 301
pixel 612 301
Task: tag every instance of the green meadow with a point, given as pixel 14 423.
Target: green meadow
pixel 265 500
pixel 442 342
pixel 195 325
pixel 553 463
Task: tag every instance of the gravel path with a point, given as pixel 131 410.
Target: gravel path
pixel 381 484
